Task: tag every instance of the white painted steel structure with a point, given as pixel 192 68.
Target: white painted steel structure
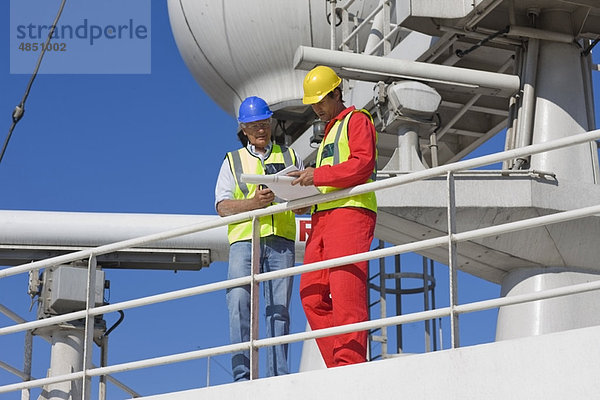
pixel 495 63
pixel 253 33
pixel 487 371
pixel 451 240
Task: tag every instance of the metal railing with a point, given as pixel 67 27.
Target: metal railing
pixel 450 240
pixel 382 11
pixel 26 373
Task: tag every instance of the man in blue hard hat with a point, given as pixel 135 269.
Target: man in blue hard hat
pixel 278 233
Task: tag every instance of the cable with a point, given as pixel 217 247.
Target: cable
pixel 112 328
pixel 20 109
pixel 328 15
pixel 461 53
pixel 439 124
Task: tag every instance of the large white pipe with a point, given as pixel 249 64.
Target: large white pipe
pixel 560 109
pixel 548 315
pixel 48 229
pixel 373 68
pixel 66 357
pixel 376 32
pixel 51 228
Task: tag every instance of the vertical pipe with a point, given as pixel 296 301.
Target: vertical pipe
pixel 65 358
pixel 356 41
pixel 433 148
pixel 441 334
pixel 434 327
pixel 387 46
pixel 26 393
pixel 560 103
pixel 527 111
pixel 382 302
pixel 332 4
pixel 407 157
pixel 254 291
pixel 509 141
pixel 345 28
pixel 376 34
pixel 512 130
pixel 588 84
pixel 398 271
pixel 454 332
pixel 369 306
pixel 103 363
pixel 426 306
pixel 208 371
pixel 89 327
pixel 513 104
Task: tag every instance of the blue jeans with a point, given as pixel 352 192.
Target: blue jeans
pixel 275 253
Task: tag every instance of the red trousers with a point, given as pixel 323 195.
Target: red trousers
pixel 338 296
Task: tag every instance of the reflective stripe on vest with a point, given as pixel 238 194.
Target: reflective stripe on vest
pixel 333 150
pixel 244 162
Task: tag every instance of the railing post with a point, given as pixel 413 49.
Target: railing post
pixel 345 28
pixel 383 302
pixel 332 6
pixel 254 290
pixel 103 363
pixel 385 31
pixel 208 371
pixel 398 281
pixel 454 331
pixel 89 328
pixel 26 393
pixel 426 306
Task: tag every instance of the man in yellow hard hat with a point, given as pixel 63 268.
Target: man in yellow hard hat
pixel 346 157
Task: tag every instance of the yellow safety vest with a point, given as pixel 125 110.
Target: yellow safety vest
pixel 334 149
pixel 244 162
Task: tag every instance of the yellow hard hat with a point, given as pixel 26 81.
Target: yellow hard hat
pixel 318 82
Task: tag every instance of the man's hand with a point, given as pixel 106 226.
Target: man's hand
pixel 263 197
pixel 301 211
pixel 304 177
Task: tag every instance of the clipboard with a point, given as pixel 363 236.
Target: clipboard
pixel 281 184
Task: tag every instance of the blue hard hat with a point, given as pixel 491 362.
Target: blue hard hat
pixel 253 109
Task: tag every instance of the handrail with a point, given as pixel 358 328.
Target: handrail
pixel 14 370
pixel 362 24
pixel 296 337
pixel 384 39
pixel 452 238
pixel 17 318
pixel 370 255
pixel 308 201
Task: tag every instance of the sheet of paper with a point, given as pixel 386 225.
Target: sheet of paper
pixel 281 185
pixel 287 170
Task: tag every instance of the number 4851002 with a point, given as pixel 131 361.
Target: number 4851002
pixel 25 46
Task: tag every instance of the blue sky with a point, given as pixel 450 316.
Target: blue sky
pixel 148 143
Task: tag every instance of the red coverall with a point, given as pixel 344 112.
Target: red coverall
pixel 338 296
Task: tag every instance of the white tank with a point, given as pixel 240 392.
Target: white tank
pixel 240 48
